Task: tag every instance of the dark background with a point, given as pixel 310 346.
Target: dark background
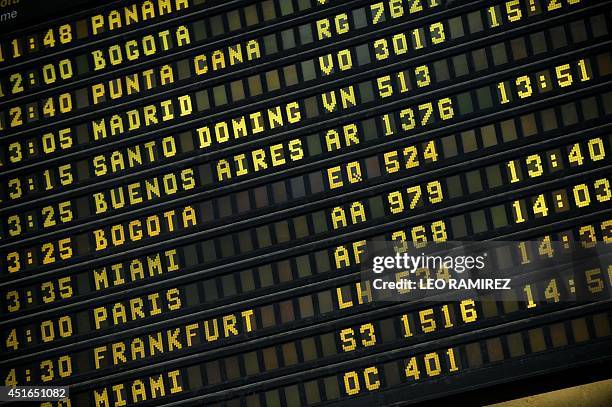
pixel 32 12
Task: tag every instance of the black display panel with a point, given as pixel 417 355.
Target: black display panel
pixel 188 188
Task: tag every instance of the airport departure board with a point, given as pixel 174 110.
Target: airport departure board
pixel 187 188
